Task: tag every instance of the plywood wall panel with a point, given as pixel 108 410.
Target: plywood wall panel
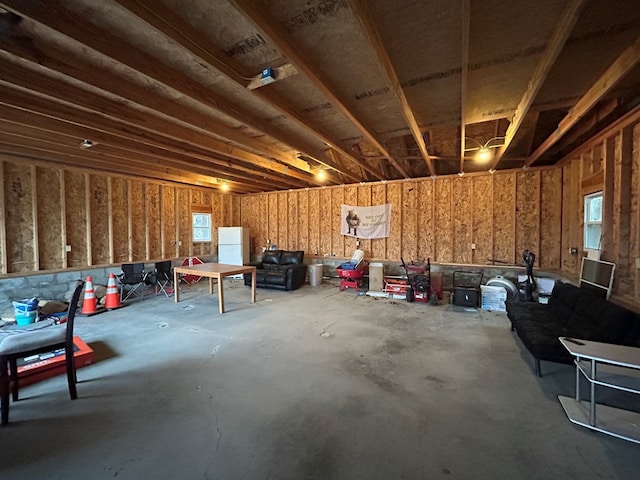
pixel 326 221
pixel 99 218
pixel 571 203
pixel 504 225
pixel 409 221
pixel 154 235
pixel 76 218
pixel 482 207
pixel 394 242
pixel 550 218
pixel 183 215
pixel 168 220
pixel 349 243
pixel 139 219
pixel 272 234
pixel 50 221
pixel 120 219
pixel 19 185
pixel 293 219
pixel 634 244
pixel 313 205
pixel 462 219
pixel 303 221
pixel 364 200
pixel 424 220
pixel 264 221
pixel 442 213
pixel 624 157
pixel 337 239
pixel 283 220
pixel 528 213
pixel 379 245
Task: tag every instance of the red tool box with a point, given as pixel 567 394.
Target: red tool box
pixel 38 367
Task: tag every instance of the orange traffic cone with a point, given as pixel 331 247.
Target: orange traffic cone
pixel 89 306
pixel 113 297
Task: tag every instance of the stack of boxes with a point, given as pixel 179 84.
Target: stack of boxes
pixel 494 298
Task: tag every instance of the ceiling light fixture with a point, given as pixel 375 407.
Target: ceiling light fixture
pixel 321 175
pixel 484 153
pixel 224 186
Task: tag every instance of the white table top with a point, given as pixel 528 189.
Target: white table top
pixel 604 352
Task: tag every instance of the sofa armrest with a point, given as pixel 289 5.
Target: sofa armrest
pixel 296 275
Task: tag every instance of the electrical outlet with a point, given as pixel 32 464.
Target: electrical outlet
pixel 473 246
pixel 67 248
pixel 573 250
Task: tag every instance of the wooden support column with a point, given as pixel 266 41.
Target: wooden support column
pixel 608 199
pixel 623 200
pixel 34 214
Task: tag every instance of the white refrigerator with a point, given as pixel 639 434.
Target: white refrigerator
pixel 233 246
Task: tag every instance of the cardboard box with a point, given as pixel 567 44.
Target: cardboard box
pixel 376 277
pixel 38 367
pixel 494 298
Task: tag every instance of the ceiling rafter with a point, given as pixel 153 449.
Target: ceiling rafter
pixel 53 89
pixel 465 24
pixel 267 25
pixel 362 13
pixel 618 69
pixel 551 52
pixel 59 18
pixel 70 142
pixel 166 152
pixel 164 20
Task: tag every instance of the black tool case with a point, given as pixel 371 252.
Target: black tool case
pixel 466 288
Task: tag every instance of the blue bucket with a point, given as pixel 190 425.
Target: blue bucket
pixel 26 318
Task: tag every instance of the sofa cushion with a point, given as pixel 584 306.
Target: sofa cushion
pixel 564 298
pixel 292 258
pixel 599 320
pixel 271 257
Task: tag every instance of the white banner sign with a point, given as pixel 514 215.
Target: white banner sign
pixel 366 222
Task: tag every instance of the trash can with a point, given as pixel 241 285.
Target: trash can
pixel 376 277
pixel 315 274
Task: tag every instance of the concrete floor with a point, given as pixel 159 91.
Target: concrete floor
pixel 311 384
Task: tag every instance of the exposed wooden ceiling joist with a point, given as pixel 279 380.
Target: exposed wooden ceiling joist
pixel 368 26
pixel 551 52
pixel 267 25
pixel 618 69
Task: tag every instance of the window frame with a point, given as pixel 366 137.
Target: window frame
pixel 588 223
pixel 206 217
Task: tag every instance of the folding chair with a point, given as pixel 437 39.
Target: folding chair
pixel 164 277
pixel 132 281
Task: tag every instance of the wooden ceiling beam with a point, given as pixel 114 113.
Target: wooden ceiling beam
pixel 43 55
pixel 61 19
pixel 267 25
pixel 101 114
pixel 70 144
pixel 97 164
pixel 618 69
pixel 172 26
pixel 363 14
pixel 166 152
pixel 548 58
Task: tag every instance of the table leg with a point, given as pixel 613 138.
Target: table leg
pixel 220 295
pixel 211 285
pixel 577 379
pixel 253 286
pixel 176 290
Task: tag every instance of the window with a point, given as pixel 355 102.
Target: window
pixel 592 221
pixel 201 223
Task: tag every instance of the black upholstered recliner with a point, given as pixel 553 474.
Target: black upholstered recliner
pixel 279 269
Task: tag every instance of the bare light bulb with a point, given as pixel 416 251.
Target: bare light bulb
pixel 483 155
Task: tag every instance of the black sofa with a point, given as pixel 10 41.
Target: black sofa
pixel 571 312
pixel 279 269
